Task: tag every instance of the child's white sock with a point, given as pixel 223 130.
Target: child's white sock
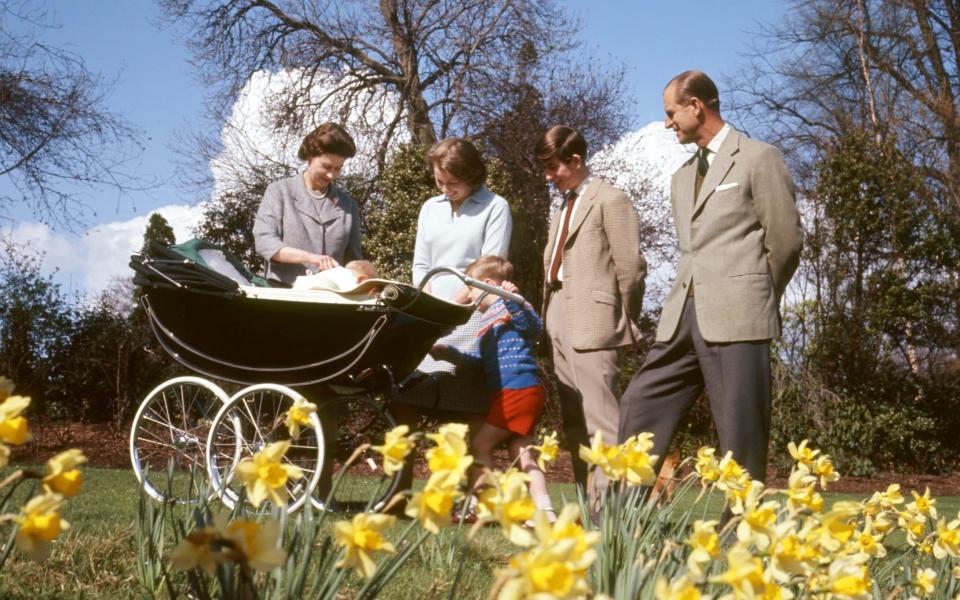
pixel 544 504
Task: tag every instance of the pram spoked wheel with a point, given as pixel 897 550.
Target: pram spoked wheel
pixel 249 421
pixel 348 423
pixel 171 426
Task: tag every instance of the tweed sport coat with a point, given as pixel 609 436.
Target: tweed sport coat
pixel 603 269
pixel 740 242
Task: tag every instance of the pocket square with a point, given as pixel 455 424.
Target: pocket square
pixel 726 186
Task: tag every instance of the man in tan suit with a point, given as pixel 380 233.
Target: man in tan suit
pixel 740 238
pixel 593 294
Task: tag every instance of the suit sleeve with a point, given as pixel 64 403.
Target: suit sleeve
pixel 268 224
pixel 774 199
pixel 354 247
pixel 622 228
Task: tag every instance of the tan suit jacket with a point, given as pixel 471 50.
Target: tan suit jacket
pixel 740 242
pixel 603 268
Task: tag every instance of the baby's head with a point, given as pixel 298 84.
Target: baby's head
pixel 493 270
pixel 362 270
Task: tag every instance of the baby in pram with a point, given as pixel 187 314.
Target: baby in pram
pixel 507 334
pixel 338 279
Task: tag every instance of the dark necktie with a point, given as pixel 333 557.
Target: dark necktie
pixel 562 240
pixel 702 166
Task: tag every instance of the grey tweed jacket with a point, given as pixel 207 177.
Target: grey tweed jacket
pixel 740 242
pixel 289 216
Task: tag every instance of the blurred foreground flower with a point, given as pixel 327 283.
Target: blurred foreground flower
pixel 63 476
pixel 13 427
pixel 360 537
pixel 265 475
pixel 242 542
pixel 40 524
pixel 397 445
pixel 299 416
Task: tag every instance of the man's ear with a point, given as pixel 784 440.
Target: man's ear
pixel 576 161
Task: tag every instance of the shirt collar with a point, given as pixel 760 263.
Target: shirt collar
pixel 583 185
pixel 481 194
pixel 714 145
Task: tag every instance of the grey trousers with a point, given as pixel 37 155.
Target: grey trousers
pixel 737 379
pixel 588 398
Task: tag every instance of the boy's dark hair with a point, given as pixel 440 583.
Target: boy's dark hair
pixel 328 138
pixel 491 267
pixel 561 142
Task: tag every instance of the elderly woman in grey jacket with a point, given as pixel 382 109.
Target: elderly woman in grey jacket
pixel 305 220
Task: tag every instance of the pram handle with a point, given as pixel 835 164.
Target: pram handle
pixel 470 281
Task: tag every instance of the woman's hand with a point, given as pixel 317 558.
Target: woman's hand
pixel 322 262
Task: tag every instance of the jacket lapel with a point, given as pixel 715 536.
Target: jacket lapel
pixel 722 164
pixel 685 179
pixel 582 207
pixel 320 211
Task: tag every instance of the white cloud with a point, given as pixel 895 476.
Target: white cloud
pixel 87 263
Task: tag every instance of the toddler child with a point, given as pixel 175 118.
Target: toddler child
pixel 505 352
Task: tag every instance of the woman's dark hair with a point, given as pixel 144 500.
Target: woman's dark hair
pixel 561 142
pixel 461 159
pixel 328 138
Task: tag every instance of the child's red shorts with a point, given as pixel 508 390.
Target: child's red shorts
pixel 516 410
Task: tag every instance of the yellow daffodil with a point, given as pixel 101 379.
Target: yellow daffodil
pixel 6 387
pixel 397 445
pixel 756 525
pixel 548 571
pixel 948 539
pixel 681 588
pixel 567 528
pixel 749 495
pixel 299 416
pixel 547 450
pixel 63 476
pixel 13 426
pixel 849 578
pixel 823 468
pixel 449 456
pixel 507 501
pixel 745 573
pixel 600 455
pixel 732 475
pixel 802 454
pixel 361 537
pixel 632 462
pixel 705 546
pixel 914 524
pixel 926 581
pixel 838 526
pixel 868 541
pixel 707 467
pixel 40 524
pixel 265 475
pixel 792 553
pixel 432 505
pixel 801 492
pixel 925 505
pixel 196 550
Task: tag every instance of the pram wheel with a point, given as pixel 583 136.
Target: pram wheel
pixel 348 423
pixel 249 421
pixel 171 426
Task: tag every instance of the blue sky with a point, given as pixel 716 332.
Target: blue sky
pixel 157 91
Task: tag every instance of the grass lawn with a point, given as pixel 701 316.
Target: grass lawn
pixel 97 557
